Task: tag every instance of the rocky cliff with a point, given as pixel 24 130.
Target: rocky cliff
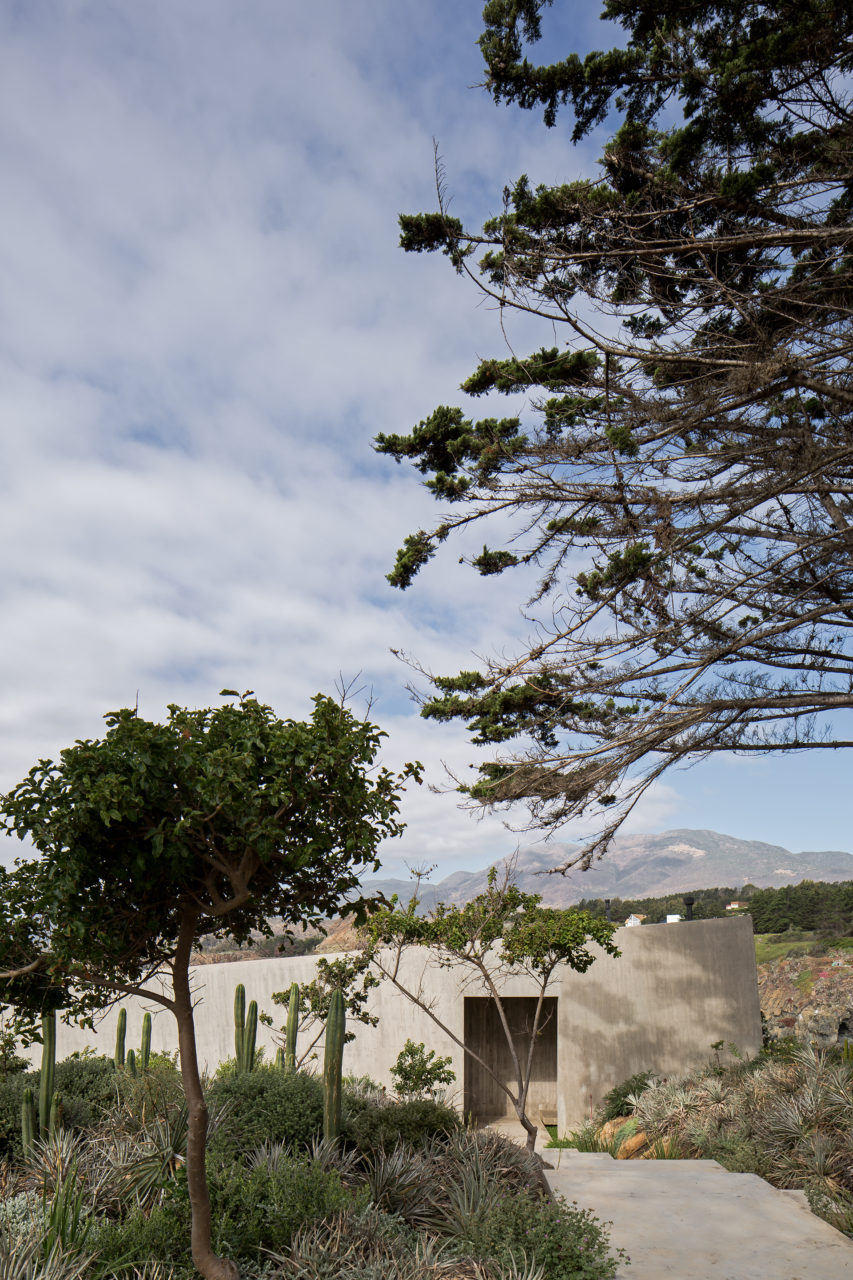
pixel 810 997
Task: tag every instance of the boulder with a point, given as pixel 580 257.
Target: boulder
pixel 609 1130
pixel 632 1146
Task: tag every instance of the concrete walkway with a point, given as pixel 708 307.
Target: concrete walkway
pixel 692 1220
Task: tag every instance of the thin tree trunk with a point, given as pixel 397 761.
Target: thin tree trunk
pixel 211 1266
pixel 519 1100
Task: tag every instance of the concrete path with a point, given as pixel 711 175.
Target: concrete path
pixel 692 1220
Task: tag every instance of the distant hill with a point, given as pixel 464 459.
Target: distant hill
pixel 643 866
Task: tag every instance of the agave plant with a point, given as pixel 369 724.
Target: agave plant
pixel 48 1161
pixel 330 1154
pixel 400 1183
pixel 504 1159
pixel 27 1260
pixel 462 1201
pixel 372 1245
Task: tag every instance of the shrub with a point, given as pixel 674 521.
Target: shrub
pixel 154 1092
pixel 567 1242
pixel 411 1122
pixel 252 1211
pixel 418 1072
pixel 87 1088
pixel 616 1103
pixel 265 1105
pixel 19 1214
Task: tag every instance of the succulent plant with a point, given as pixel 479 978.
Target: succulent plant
pixel 121 1031
pixel 145 1049
pixel 47 1073
pixel 333 1066
pixel 292 1027
pixel 245 1029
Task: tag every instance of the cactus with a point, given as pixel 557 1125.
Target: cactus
pixel 145 1051
pixel 55 1123
pixel 333 1066
pixel 847 1051
pixel 250 1035
pixel 46 1075
pixel 239 1021
pixel 245 1029
pixel 131 1062
pixel 279 1058
pixel 292 1027
pixel 121 1028
pixel 28 1121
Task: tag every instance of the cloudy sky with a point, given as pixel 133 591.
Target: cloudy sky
pixel 204 320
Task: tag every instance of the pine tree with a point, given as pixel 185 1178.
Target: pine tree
pixel 684 480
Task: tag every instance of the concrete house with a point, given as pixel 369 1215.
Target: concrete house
pixel 674 991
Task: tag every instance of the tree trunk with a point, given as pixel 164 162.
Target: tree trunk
pixel 527 1124
pixel 211 1266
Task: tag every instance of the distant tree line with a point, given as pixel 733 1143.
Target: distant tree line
pixel 809 906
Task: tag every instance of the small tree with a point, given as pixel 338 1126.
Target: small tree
pixel 352 976
pixel 209 824
pixel 500 932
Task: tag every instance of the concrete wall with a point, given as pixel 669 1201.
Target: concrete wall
pixel 676 989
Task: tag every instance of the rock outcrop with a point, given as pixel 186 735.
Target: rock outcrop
pixel 808 997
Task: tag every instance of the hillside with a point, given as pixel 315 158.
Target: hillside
pixel 644 866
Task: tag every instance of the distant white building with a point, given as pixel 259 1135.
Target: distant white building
pixel 735 906
pixel 673 919
pixel 634 920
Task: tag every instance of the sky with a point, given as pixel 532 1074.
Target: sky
pixel 204 321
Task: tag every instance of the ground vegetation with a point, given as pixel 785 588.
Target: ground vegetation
pixel 110 1201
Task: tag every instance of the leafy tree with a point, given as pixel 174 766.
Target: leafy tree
pixel 352 976
pixel 683 480
pixel 156 834
pixel 500 932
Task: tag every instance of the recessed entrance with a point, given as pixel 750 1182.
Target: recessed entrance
pixel 484 1033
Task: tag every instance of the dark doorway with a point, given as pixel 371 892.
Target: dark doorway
pixel 484 1101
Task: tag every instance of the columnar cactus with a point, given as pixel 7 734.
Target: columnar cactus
pixel 145 1051
pixel 48 1068
pixel 239 1021
pixel 28 1121
pixel 250 1037
pixel 279 1058
pixel 55 1113
pixel 245 1029
pixel 333 1066
pixel 292 1028
pixel 121 1030
pixel 131 1063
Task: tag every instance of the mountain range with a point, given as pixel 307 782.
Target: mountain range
pixel 641 866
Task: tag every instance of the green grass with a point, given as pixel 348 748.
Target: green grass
pixel 804 982
pixel 768 947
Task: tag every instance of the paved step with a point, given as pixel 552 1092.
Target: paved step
pixel 693 1220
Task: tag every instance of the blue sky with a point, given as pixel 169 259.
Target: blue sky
pixel 204 320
